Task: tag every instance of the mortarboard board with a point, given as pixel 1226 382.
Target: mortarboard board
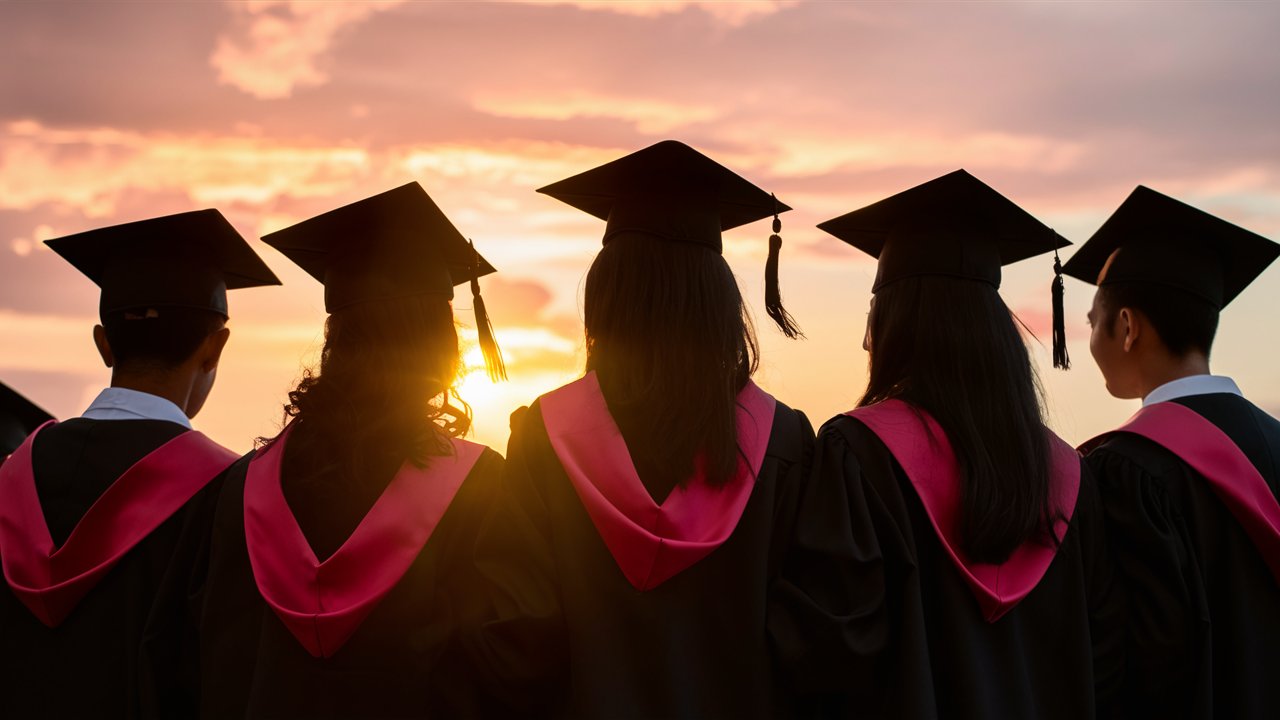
pixel 394 244
pixel 952 226
pixel 19 417
pixel 671 191
pixel 1154 238
pixel 186 260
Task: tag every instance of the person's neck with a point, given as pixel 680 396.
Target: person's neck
pixel 170 386
pixel 1174 369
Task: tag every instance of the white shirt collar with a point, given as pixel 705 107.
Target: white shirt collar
pixel 1191 385
pixel 116 403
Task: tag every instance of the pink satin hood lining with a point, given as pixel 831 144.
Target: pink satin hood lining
pixel 324 603
pixel 651 543
pixel 1210 452
pixel 51 582
pixel 925 454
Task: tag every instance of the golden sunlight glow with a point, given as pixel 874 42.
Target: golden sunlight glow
pixel 649 116
pixel 493 402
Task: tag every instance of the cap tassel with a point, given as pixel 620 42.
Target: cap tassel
pixel 772 291
pixel 1061 360
pixel 493 363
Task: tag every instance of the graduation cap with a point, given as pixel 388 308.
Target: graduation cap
pixel 953 226
pixel 673 192
pixel 395 244
pixel 19 417
pixel 1154 238
pixel 186 260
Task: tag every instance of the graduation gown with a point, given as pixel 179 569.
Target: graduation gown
pixel 1205 627
pixel 122 649
pixel 626 620
pixel 874 617
pixel 393 656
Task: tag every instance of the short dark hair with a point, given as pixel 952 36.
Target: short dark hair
pixel 1183 321
pixel 158 338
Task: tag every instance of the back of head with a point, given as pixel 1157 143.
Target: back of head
pixel 157 340
pixel 1185 322
pixel 952 348
pixel 1177 265
pixel 379 389
pixel 389 264
pixel 670 341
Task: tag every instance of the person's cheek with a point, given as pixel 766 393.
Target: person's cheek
pixel 1101 350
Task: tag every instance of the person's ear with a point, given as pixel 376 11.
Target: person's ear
pixel 211 350
pixel 1131 326
pixel 866 333
pixel 104 347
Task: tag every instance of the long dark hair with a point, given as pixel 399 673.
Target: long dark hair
pixel 951 348
pixel 670 340
pixel 380 391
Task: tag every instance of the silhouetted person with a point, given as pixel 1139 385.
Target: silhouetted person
pixel 19 417
pixel 647 505
pixel 341 560
pixel 1190 482
pixel 953 563
pixel 102 516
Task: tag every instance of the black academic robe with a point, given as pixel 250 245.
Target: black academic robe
pixel 1205 627
pixel 873 619
pixel 124 650
pixel 574 638
pixel 402 661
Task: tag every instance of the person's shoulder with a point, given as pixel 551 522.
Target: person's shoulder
pixel 791 436
pixel 1267 423
pixel 851 445
pixel 527 419
pixel 844 429
pixel 241 465
pixel 230 480
pixel 131 432
pixel 490 461
pixel 1125 453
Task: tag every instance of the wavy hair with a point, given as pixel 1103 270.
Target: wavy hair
pixel 382 389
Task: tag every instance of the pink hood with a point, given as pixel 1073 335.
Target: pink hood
pixel 650 542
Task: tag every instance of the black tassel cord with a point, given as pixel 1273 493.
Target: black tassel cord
pixel 772 291
pixel 493 363
pixel 1061 360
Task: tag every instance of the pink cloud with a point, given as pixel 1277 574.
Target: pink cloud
pixel 274 45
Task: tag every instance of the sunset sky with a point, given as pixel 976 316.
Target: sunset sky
pixel 275 111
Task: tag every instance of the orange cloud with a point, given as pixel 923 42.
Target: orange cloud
pixel 648 115
pixel 90 169
pixel 518 163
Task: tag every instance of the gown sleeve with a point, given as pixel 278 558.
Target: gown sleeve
pixel 1108 610
pixel 520 649
pixel 827 619
pixel 1151 545
pixel 169 651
